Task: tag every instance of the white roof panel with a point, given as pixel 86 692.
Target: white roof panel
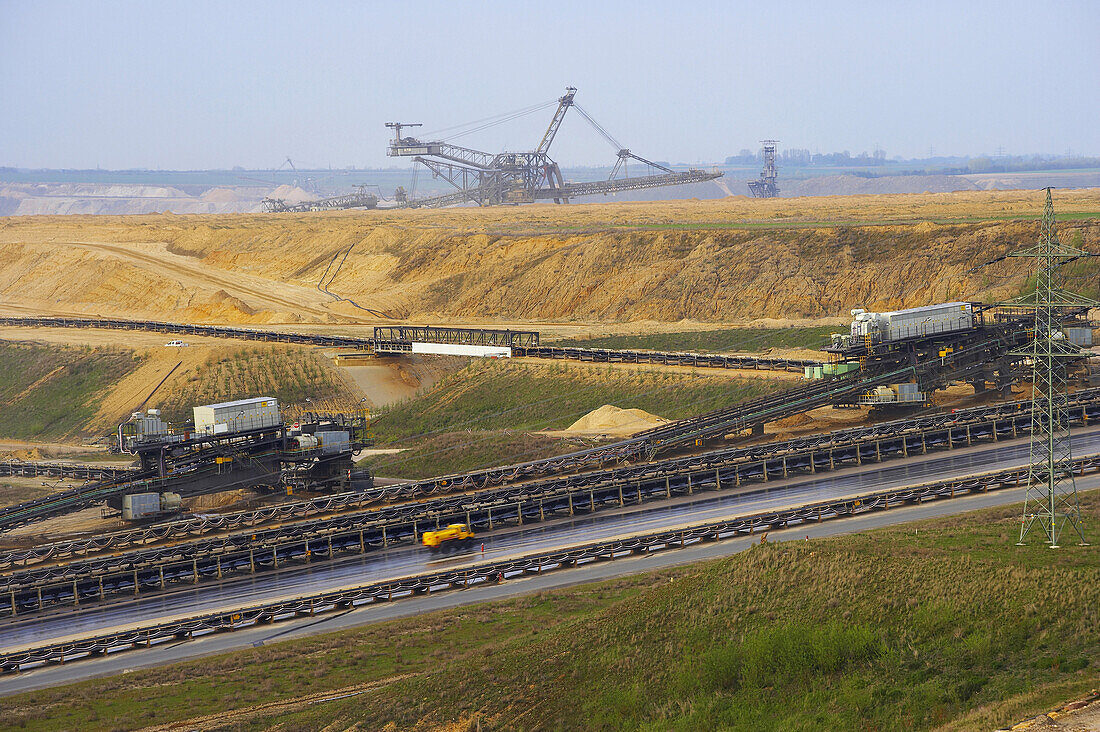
pixel 239 403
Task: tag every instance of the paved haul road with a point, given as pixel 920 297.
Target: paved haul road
pixel 295 580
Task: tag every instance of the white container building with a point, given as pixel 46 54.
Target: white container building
pixel 237 416
pixel 920 322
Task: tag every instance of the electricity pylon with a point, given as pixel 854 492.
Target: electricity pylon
pixel 1051 504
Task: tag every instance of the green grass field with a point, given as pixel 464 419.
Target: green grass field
pixel 726 340
pixel 459 452
pixel 48 392
pixel 502 395
pixel 938 624
pixel 11 494
pixel 480 416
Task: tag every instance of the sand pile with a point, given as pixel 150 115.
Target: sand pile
pixel 24 199
pixel 611 420
pixel 291 194
pixel 25 455
pixel 221 307
pixel 222 195
pixel 798 420
pixel 215 501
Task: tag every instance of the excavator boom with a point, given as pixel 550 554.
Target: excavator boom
pixel 564 103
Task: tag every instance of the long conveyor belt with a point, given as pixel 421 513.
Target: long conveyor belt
pixel 645 445
pixel 562 351
pixel 62 469
pixel 838 446
pixel 94 643
pixel 728 470
pixel 712 424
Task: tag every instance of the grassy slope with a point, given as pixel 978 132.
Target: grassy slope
pixel 458 452
pixel 291 375
pixel 11 494
pixel 49 392
pixel 478 416
pixel 911 627
pixel 52 392
pixel 715 341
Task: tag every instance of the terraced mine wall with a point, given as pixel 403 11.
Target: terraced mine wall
pixel 711 261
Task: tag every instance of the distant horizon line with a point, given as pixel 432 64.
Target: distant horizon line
pixel 897 160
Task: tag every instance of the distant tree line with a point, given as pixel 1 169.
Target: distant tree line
pixel 803 158
pixel 985 164
pixel 1006 164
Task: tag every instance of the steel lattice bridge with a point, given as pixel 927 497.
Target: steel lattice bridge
pixel 489 179
pixel 359 199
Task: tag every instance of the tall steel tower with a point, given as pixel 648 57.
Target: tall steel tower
pixel 1051 504
pixel 765 186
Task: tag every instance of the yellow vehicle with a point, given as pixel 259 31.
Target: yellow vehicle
pixel 449 539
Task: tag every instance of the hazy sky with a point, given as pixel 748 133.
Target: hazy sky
pixel 217 84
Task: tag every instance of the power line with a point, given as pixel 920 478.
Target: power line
pixel 1050 505
pixel 488 122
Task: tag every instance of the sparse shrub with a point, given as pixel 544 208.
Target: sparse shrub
pixel 259 371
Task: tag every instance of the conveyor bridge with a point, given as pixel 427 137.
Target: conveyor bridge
pixel 638 183
pixel 569 189
pixel 457 336
pixel 359 199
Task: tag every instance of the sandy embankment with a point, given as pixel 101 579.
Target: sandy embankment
pixel 717 262
pixel 611 421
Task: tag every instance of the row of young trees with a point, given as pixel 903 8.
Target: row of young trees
pixel 803 158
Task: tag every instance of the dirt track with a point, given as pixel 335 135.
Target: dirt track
pixel 131 392
pixel 257 293
pixel 283 706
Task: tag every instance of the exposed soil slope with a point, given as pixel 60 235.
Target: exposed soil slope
pixel 722 260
